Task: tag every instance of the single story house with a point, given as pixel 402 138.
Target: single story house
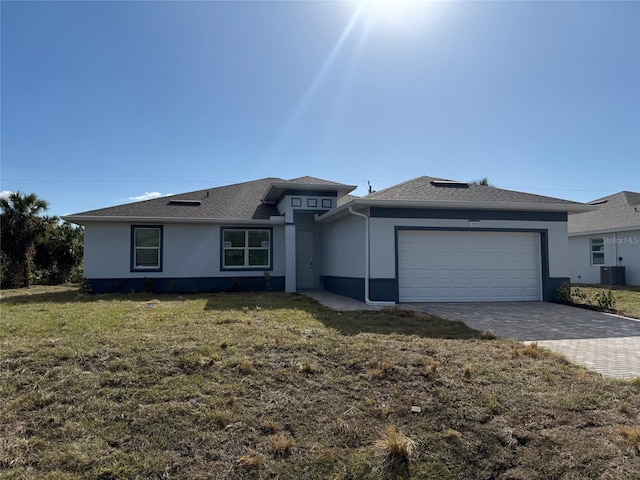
pixel 608 236
pixel 423 240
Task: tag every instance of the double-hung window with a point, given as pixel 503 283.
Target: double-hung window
pixel 246 248
pixel 597 251
pixel 146 248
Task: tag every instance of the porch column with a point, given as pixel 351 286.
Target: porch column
pixel 290 257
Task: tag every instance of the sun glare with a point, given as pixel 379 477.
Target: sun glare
pixel 400 15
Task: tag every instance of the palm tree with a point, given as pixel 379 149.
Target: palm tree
pixel 21 225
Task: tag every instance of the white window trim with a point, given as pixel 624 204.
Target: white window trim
pixel 592 252
pixel 135 249
pixel 247 249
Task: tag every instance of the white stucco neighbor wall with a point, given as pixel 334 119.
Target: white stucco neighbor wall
pixel 188 251
pixel 343 248
pixel 383 262
pixel 616 244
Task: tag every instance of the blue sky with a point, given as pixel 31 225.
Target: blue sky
pixel 103 102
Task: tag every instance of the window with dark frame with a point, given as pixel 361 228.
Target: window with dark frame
pixel 246 248
pixel 146 251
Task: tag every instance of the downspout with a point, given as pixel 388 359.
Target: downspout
pixel 367 262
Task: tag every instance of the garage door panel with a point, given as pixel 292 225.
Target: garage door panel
pixel 468 266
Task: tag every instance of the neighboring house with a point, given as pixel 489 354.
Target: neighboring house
pixel 606 237
pixel 424 240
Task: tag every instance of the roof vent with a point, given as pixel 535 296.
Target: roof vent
pixel 449 184
pixel 185 203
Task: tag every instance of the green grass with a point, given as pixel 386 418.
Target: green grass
pixel 627 298
pixel 234 386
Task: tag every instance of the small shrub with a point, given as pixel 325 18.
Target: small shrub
pixel 564 292
pixel 605 300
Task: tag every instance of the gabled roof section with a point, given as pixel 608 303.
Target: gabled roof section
pixel 241 201
pixel 279 188
pixel 615 213
pixel 439 193
pixel 439 189
pixel 314 181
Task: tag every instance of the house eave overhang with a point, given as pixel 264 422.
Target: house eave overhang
pixel 363 203
pixel 82 220
pixel 603 231
pixel 277 189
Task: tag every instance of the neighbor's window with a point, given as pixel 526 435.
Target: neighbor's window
pixel 246 248
pixel 597 251
pixel 146 251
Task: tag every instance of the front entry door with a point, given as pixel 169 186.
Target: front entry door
pixel 305 269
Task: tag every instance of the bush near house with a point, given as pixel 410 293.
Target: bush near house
pixel 271 385
pixel 622 300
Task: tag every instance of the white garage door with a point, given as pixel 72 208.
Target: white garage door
pixel 447 266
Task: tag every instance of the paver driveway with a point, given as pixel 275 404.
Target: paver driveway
pixel 608 344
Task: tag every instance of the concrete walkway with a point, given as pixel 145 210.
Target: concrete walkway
pixel 338 302
pixel 608 344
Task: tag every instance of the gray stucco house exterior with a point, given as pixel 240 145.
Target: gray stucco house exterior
pixel 424 240
pixel 608 236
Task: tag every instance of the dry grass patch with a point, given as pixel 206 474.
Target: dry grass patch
pixel 281 443
pixel 194 387
pixel 632 434
pixel 245 366
pixel 394 448
pixel 528 349
pixel 253 460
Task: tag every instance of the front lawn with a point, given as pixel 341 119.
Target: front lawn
pixel 234 386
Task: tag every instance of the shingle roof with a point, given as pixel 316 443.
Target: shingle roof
pixel 346 199
pixel 238 201
pixel 245 201
pixel 620 211
pixel 315 181
pixel 427 189
pixel 278 188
